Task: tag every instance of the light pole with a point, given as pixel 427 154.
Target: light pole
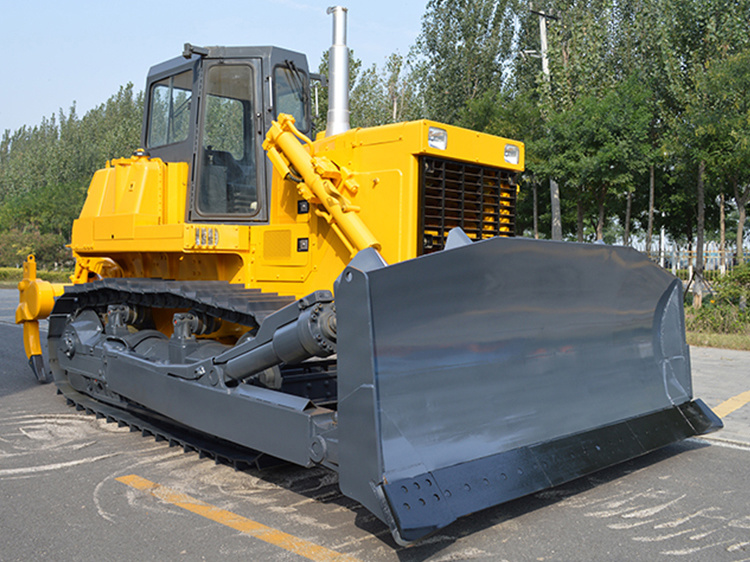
pixel 554 189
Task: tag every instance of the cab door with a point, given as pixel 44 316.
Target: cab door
pixel 229 179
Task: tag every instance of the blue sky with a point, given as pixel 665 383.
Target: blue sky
pixel 58 52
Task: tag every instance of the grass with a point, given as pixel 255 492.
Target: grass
pixel 11 276
pixel 725 341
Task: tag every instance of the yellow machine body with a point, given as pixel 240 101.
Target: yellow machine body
pixel 133 222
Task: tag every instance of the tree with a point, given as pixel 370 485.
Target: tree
pixel 465 47
pixel 698 34
pixel 45 170
pixel 400 81
pixel 376 97
pixel 598 147
pixel 722 125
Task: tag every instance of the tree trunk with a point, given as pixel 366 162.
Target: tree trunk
pixel 698 285
pixel 741 201
pixel 554 191
pixel 536 211
pixel 628 205
pixel 701 218
pixel 722 235
pixel 600 220
pixel 579 218
pixel 650 231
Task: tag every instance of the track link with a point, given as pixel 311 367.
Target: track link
pixel 149 424
pixel 233 303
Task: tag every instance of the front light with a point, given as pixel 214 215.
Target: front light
pixel 512 154
pixel 437 138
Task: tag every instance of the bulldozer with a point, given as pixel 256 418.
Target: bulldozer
pixel 358 301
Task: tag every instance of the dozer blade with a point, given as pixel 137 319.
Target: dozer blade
pixel 480 374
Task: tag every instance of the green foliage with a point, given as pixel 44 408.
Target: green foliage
pixel 721 318
pixel 599 146
pixel 464 48
pixel 224 126
pixel 49 249
pixel 44 172
pixel 50 209
pixel 377 97
pixel 728 310
pixel 11 276
pixel 719 113
pixel 734 288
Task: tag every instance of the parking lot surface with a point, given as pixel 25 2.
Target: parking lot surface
pixel 75 487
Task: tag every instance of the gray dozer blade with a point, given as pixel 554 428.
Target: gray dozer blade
pixel 483 373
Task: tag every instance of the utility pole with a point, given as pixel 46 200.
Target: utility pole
pixel 554 189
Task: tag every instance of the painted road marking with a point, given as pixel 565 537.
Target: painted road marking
pixel 270 535
pixel 734 403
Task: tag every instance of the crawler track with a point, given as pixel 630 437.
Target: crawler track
pixel 233 303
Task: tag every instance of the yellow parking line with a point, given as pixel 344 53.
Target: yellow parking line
pixel 734 403
pixel 278 538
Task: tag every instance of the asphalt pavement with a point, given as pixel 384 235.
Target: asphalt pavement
pixel 76 488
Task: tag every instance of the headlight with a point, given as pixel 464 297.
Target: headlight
pixel 512 154
pixel 437 138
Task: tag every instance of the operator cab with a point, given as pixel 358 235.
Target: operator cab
pixel 211 108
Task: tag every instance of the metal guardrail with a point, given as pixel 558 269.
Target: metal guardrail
pixel 681 262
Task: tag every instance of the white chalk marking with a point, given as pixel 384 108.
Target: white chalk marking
pixel 48 467
pixel 681 520
pixel 648 512
pixel 660 538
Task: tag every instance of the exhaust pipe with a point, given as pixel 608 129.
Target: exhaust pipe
pixel 338 75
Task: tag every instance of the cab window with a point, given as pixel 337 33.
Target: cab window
pixel 169 110
pixel 290 93
pixel 228 179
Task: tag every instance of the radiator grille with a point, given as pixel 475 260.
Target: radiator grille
pixel 479 199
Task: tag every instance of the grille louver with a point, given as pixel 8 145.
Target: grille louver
pixel 479 199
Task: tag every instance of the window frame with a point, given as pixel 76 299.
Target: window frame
pixel 150 113
pixel 195 213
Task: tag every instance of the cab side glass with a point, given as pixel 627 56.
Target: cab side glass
pixel 169 110
pixel 290 92
pixel 229 182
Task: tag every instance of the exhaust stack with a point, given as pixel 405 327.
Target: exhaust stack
pixel 338 75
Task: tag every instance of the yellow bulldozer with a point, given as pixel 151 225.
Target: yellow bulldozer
pixel 357 301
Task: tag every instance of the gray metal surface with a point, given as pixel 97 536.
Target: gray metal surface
pixel 182 378
pixel 504 344
pixel 512 342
